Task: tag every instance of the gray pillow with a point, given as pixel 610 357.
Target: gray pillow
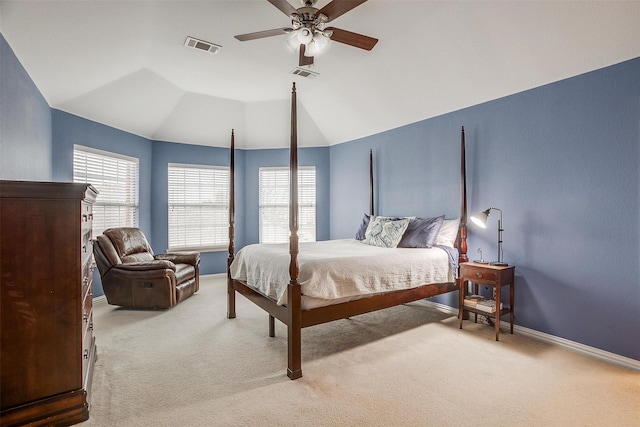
pixel 421 232
pixel 363 227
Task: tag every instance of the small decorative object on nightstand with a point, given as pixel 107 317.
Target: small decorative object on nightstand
pixel 481 260
pixel 496 276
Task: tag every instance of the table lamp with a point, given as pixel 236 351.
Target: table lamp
pixel 480 219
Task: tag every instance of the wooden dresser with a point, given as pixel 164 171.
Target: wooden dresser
pixel 47 347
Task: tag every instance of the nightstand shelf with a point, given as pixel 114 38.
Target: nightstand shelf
pixel 487 275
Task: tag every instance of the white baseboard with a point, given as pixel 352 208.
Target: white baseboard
pixel 609 357
pixel 213 276
pixel 99 300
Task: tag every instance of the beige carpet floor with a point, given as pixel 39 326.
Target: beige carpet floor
pixel 406 366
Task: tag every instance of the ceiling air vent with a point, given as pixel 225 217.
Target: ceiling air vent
pixel 305 73
pixel 202 45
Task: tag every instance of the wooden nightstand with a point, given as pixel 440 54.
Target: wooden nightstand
pixel 487 275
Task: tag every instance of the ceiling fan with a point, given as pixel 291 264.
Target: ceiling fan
pixel 309 31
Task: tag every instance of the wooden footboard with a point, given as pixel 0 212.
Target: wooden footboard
pixel 292 314
pixel 295 318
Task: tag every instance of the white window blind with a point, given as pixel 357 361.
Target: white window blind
pixel 274 204
pixel 198 207
pixel 116 179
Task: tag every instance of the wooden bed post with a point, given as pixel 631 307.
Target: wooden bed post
pixel 371 209
pixel 294 309
pixel 462 245
pixel 231 293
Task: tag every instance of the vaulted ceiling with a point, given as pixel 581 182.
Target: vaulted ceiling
pixel 124 63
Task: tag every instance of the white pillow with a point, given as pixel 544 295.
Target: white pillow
pixel 448 233
pixel 385 232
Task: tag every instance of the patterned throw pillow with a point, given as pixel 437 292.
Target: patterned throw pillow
pixel 385 232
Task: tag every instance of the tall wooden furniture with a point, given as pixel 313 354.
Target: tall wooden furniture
pixel 47 347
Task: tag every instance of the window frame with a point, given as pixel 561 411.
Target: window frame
pixel 305 233
pixel 131 193
pixel 217 244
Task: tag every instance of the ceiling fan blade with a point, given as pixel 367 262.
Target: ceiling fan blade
pixel 262 34
pixel 284 6
pixel 352 39
pixel 339 7
pixel 304 60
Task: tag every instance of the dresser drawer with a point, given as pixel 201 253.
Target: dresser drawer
pixel 87 306
pixel 86 218
pixel 87 341
pixel 479 274
pixel 86 250
pixel 87 277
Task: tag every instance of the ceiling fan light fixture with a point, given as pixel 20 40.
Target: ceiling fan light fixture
pixel 318 45
pixel 311 50
pixel 305 35
pixel 292 41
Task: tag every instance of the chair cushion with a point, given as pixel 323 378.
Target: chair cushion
pixel 137 257
pixel 129 241
pixel 184 272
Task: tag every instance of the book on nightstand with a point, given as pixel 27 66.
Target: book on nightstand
pixel 488 306
pixel 472 300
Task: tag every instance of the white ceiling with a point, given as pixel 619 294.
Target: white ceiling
pixel 123 63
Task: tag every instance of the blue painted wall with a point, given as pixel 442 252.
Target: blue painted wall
pixel 563 162
pixel 25 123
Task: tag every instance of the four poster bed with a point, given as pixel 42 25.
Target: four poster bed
pixel 314 283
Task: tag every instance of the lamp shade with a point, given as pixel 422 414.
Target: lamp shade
pixel 480 219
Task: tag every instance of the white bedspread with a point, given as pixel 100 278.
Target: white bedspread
pixel 339 269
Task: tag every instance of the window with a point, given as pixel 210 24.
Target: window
pixel 274 204
pixel 116 178
pixel 198 207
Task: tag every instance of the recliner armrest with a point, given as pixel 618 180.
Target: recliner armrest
pixel 156 264
pixel 192 258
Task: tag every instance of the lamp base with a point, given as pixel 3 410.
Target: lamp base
pixel 499 263
pixel 480 261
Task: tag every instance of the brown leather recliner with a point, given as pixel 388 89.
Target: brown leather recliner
pixel 132 276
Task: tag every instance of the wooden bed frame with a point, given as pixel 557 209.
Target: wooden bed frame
pixel 292 315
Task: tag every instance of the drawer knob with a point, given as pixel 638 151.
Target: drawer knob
pixel 479 275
